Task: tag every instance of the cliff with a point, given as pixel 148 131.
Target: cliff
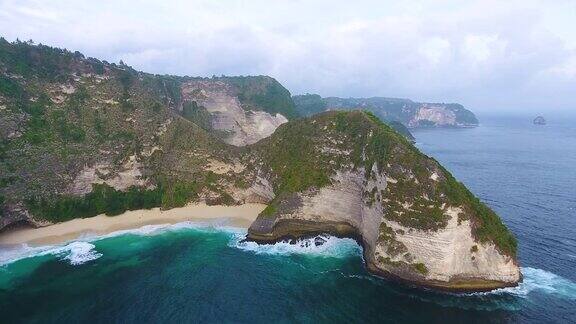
pixel 353 176
pixel 409 113
pixel 82 137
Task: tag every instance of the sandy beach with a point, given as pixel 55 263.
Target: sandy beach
pixel 240 216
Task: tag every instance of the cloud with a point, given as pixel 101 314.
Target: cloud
pixel 485 54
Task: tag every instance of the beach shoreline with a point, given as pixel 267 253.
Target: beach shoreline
pixel 238 216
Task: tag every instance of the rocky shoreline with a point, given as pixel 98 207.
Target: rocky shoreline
pixel 296 230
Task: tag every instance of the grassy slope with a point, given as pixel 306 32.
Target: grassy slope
pixel 264 93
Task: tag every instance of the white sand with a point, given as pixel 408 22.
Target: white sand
pixel 240 216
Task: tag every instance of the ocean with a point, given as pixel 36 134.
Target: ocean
pixel 203 272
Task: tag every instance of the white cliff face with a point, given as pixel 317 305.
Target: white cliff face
pixel 129 174
pixel 436 114
pixel 260 192
pixel 341 202
pixel 243 127
pixel 450 253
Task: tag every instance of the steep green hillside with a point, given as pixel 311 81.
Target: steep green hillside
pixel 264 93
pixel 68 122
pixel 80 137
pixel 407 112
pixel 311 104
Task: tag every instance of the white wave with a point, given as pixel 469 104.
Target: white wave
pixel 543 281
pixel 78 249
pixel 221 225
pixel 81 252
pixel 76 253
pixel 331 247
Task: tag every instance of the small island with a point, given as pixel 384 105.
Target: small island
pixel 539 121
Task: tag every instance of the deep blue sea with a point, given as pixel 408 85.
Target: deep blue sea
pixel 204 273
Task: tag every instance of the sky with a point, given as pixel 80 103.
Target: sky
pixel 489 55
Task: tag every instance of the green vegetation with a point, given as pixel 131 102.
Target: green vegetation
pixel 309 104
pixel 102 200
pixel 37 126
pixel 474 249
pixel 400 128
pixel 292 154
pixel 264 93
pixel 388 239
pixel 420 267
pixel 170 89
pixel 69 132
pixel 487 226
pixel 178 194
pixel 12 89
pixel 463 115
pixel 126 78
pixel 88 127
pixel 2 199
pixel 394 109
pixel 78 99
pixel 197 114
pixel 45 62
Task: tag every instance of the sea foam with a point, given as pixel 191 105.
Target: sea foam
pixel 331 247
pixel 76 253
pixel 81 249
pixel 543 281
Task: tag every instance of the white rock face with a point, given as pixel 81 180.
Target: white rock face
pixel 260 191
pixel 452 252
pixel 343 201
pixel 244 127
pixel 449 254
pixel 434 113
pixel 129 175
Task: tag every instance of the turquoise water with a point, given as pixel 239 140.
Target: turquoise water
pixel 204 273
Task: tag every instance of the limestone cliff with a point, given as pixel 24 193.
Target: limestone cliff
pixel 240 125
pixel 415 221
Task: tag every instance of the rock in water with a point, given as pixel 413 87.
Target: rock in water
pixel 539 121
pixel 318 240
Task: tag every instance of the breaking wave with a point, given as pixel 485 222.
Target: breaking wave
pixel 76 253
pixel 543 281
pixel 81 250
pixel 321 245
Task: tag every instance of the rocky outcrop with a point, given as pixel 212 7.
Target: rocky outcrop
pixel 539 121
pixel 239 125
pixel 127 175
pixel 449 258
pixel 434 114
pixel 410 228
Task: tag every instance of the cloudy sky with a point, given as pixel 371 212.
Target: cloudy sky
pixel 486 54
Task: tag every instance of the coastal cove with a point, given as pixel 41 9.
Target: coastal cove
pixel 240 216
